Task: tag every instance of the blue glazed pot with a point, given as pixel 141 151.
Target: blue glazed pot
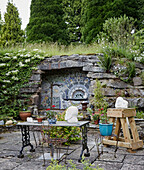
pixel 106 129
pixel 52 121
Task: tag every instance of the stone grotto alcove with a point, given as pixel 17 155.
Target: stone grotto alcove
pixel 62 87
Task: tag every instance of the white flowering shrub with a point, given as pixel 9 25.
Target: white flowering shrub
pixel 15 71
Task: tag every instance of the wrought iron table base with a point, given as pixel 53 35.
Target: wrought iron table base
pixel 84 143
pixel 25 140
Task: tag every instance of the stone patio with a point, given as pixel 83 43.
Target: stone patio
pixel 10 144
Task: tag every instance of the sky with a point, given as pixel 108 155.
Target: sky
pixel 23 7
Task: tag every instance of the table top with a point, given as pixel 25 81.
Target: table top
pixel 58 123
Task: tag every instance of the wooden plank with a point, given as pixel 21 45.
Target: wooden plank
pixel 133 129
pixel 121 144
pixel 119 139
pixel 137 145
pixel 125 130
pixel 127 112
pixel 118 127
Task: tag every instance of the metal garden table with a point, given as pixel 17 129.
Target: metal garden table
pixel 25 130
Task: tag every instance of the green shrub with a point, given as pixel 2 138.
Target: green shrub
pixel 106 62
pixel 86 166
pixel 140 114
pixel 70 133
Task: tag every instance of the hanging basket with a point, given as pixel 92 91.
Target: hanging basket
pixel 106 129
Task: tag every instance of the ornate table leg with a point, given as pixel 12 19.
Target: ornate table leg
pixel 84 143
pixel 25 140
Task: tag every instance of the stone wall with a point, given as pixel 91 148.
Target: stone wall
pixel 87 68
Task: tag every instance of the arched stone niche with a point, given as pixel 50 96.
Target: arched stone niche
pixel 63 88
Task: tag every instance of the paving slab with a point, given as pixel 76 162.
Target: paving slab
pixel 132 167
pixel 107 165
pixel 110 157
pixel 134 159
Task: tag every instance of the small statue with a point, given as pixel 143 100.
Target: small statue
pixel 35 110
pixel 121 103
pixel 71 114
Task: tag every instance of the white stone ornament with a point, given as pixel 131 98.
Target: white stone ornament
pixel 121 103
pixel 71 114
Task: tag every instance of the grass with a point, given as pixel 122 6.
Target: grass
pixel 52 49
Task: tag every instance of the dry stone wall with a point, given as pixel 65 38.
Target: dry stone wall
pixel 88 64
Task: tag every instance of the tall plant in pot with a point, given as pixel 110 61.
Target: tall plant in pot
pixel 100 106
pixel 98 101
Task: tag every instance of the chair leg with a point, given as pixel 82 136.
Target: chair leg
pixel 43 154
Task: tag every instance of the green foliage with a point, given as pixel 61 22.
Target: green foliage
pixel 46 22
pixel 11 32
pixel 85 164
pixel 16 69
pixel 72 17
pixel 106 62
pixel 119 30
pixel 98 100
pixel 97 11
pixel 140 114
pixel 70 133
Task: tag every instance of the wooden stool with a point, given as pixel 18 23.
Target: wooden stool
pixel 127 142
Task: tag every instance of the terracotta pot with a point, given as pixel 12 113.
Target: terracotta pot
pixel 96 121
pixel 39 119
pixel 24 114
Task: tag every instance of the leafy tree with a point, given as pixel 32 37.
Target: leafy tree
pixel 119 30
pixel 46 22
pixel 72 16
pixel 98 11
pixel 11 32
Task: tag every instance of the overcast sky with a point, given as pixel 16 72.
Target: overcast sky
pixel 23 7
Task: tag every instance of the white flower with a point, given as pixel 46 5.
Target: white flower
pixel 15 57
pixel 6 57
pixel 35 49
pixel 2 64
pixel 7 74
pixel 21 64
pixel 14 78
pixel 5 92
pixel 27 60
pixel 6 81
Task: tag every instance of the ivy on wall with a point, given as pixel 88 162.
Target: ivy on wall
pixel 15 71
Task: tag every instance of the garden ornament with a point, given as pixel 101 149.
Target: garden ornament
pixel 71 114
pixel 121 103
pixel 35 110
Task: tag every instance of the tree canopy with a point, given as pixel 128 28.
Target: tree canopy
pixel 46 22
pixel 11 32
pixel 97 11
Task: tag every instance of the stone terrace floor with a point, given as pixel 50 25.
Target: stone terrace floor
pixel 10 144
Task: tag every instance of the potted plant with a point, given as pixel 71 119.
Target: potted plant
pixel 51 115
pixel 25 111
pixel 24 114
pixel 39 119
pixel 105 126
pixel 98 100
pixel 94 116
